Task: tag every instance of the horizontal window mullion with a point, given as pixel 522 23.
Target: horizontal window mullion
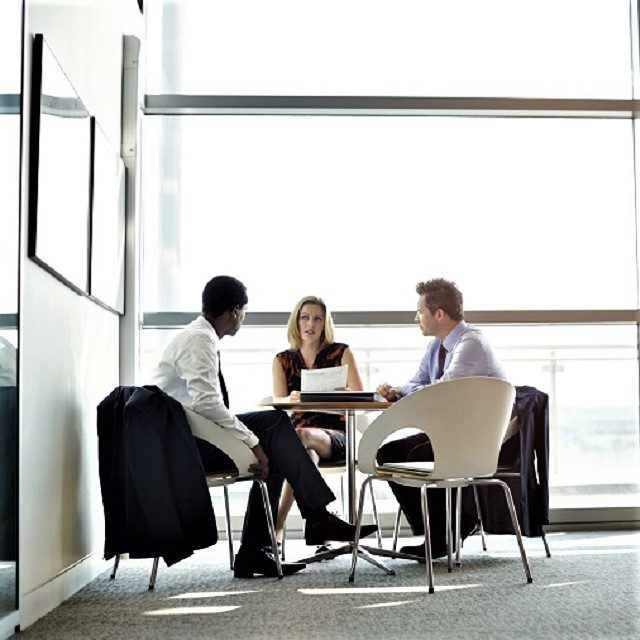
pixel 386 318
pixel 9 103
pixel 177 104
pixel 8 320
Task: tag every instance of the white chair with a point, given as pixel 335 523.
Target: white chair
pixel 512 429
pixel 465 420
pixel 243 458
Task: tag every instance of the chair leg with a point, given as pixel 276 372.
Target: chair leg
pixel 154 574
pixel 396 529
pixel 375 515
pixel 116 562
pixel 427 536
pixel 342 503
pixel 516 528
pixel 448 526
pixel 354 555
pixel 477 500
pixel 228 520
pixel 272 530
pixel 284 539
pixel 458 524
pixel 546 546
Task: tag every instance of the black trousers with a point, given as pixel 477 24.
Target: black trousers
pixel 288 460
pixel 417 448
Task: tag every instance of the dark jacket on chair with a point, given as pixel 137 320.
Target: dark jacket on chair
pixel 526 453
pixel 154 491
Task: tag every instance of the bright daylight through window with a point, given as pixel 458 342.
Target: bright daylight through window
pixel 526 214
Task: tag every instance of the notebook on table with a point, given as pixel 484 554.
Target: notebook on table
pixel 341 396
pixel 414 468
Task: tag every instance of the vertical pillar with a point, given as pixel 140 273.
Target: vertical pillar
pixel 129 322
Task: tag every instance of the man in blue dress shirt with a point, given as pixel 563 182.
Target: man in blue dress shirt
pixel 459 350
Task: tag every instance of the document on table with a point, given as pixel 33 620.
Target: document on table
pixel 328 379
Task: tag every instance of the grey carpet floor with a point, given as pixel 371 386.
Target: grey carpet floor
pixel 590 588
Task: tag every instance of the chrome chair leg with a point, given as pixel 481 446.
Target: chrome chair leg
pixel 516 528
pixel 396 529
pixel 228 520
pixel 427 536
pixel 154 574
pixel 272 530
pixel 546 546
pixel 354 554
pixel 477 500
pixel 375 515
pixel 448 526
pixel 284 539
pixel 342 503
pixel 116 562
pixel 458 524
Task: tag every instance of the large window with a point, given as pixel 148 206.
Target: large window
pixel 523 213
pixel 520 48
pixel 316 148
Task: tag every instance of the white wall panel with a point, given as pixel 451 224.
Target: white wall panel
pixel 69 355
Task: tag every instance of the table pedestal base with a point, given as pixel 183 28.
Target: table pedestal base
pixel 366 553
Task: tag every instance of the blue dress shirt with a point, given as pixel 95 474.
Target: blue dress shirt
pixel 468 354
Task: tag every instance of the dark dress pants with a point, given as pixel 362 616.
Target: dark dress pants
pixel 288 460
pixel 417 448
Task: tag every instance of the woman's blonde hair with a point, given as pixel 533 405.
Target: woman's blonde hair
pixel 293 328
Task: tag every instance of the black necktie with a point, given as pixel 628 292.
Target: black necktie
pixel 223 386
pixel 442 354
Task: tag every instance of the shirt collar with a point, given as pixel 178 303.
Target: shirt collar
pixel 454 335
pixel 201 321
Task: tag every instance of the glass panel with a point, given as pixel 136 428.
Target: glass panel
pixel 10 72
pixel 542 48
pixel 590 373
pixel 522 213
pixel 10 190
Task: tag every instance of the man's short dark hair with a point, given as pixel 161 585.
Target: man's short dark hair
pixel 442 294
pixel 221 294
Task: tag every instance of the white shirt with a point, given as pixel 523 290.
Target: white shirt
pixel 188 371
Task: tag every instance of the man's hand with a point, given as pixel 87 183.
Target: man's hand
pixel 260 469
pixel 388 392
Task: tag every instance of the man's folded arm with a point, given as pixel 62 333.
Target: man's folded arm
pixel 421 378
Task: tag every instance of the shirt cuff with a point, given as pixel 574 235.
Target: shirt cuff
pixel 248 437
pixel 252 441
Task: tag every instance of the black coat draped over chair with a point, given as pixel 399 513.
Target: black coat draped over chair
pixel 525 453
pixel 154 491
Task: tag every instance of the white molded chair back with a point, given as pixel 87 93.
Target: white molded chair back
pixel 465 419
pixel 208 430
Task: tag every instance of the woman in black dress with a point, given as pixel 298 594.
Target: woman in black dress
pixel 310 336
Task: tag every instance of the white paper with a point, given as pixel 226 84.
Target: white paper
pixel 324 379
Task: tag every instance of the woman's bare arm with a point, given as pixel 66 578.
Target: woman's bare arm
pixel 353 375
pixel 279 379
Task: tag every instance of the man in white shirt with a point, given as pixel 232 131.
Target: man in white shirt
pixel 189 371
pixel 459 350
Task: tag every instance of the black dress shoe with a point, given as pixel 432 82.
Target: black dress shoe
pixel 261 562
pixel 418 550
pixel 331 527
